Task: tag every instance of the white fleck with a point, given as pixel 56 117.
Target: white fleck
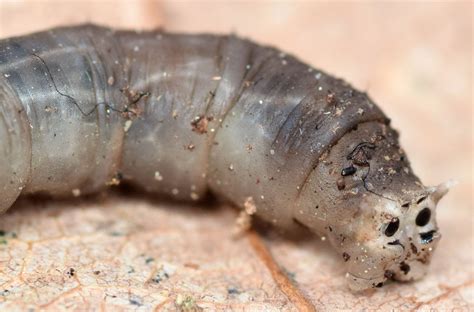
pixel 323 238
pixel 320 88
pixel 136 48
pixel 272 152
pixel 127 125
pixel 249 206
pixel 284 62
pixel 262 197
pixel 318 76
pixel 110 80
pixel 217 78
pixel 260 102
pixel 248 66
pixel 158 176
pixel 360 111
pixel 6 75
pixel 175 191
pixel 76 192
pixel 194 196
pixel 231 167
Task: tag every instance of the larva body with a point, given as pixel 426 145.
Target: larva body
pixel 84 107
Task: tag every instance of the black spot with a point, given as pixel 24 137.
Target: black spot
pixel 392 227
pixel 348 171
pixel 406 205
pixel 413 248
pixel 396 242
pixel 233 291
pixel 71 272
pixel 346 256
pixel 160 277
pixel 423 217
pixel 379 285
pixel 405 268
pixel 427 237
pixel 421 199
pixel 135 302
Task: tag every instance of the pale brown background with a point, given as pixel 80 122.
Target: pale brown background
pixel 414 59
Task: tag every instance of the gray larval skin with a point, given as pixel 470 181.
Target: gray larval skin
pixel 85 107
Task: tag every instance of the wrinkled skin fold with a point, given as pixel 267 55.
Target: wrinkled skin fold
pixel 86 107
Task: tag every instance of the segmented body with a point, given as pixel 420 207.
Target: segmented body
pixel 85 107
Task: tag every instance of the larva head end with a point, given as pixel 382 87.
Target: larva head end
pixel 400 243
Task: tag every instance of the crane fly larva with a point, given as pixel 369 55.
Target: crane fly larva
pixel 85 107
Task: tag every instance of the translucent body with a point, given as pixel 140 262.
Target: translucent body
pixel 181 115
